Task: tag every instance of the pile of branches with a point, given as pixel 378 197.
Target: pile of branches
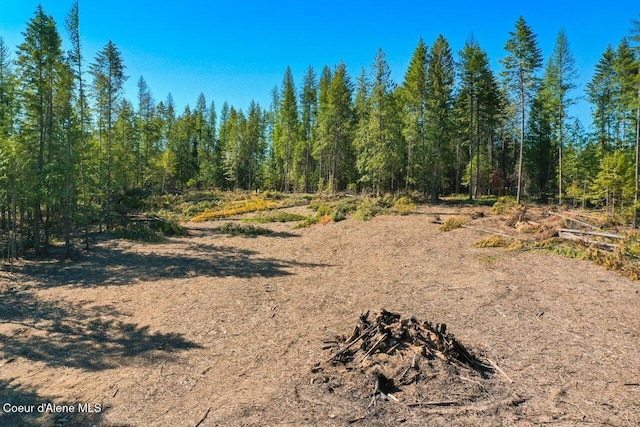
pixel 387 333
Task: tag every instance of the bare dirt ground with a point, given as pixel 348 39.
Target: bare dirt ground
pixel 212 329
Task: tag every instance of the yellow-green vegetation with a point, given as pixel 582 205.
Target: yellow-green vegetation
pixel 453 222
pixel 504 205
pixel 235 208
pixel 404 205
pixel 493 241
pixel 276 216
pixel 242 230
pixel 367 209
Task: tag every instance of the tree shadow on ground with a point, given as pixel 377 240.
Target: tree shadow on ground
pixel 111 264
pixel 77 336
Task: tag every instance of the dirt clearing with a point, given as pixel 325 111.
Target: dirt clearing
pixel 216 329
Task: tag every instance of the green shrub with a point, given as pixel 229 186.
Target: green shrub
pixel 404 205
pixel 452 223
pixel 504 205
pixel 279 216
pixel 366 210
pixel 242 230
pixel 138 232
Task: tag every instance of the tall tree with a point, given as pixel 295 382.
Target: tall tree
pixel 39 61
pixel 378 131
pixel 520 66
pixel 308 118
pixel 10 165
pixel 76 62
pixel 414 97
pixel 287 130
pixel 108 80
pixel 601 94
pixel 559 81
pixel 440 80
pixel 635 38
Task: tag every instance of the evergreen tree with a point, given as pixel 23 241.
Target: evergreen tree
pixel 601 94
pixel 378 133
pixel 440 80
pixel 39 61
pixel 559 81
pixel 322 143
pixel 414 102
pixel 520 67
pixel 108 80
pixel 287 130
pixel 308 122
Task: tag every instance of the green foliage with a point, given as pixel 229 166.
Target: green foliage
pixel 504 205
pixel 453 223
pixel 493 241
pixel 277 216
pixel 138 232
pixel 242 230
pixel 366 210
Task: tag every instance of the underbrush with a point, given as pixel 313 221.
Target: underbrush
pixel 138 232
pixel 278 216
pixel 242 230
pixel 235 208
pixel 453 222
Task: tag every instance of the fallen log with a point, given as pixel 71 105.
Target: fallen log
pixel 570 236
pixel 591 233
pixel 575 220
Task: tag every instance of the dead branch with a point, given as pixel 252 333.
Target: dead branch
pixel 488 231
pixel 203 418
pixel 495 366
pixel 355 340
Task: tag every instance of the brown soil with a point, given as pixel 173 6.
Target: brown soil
pixel 213 329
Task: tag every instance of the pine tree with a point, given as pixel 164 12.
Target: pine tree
pixel 414 97
pixel 308 117
pixel 322 143
pixel 520 67
pixel 559 80
pixel 440 80
pixel 378 132
pixel 39 61
pixel 601 94
pixel 108 80
pixel 287 130
pixel 10 164
pixel 341 129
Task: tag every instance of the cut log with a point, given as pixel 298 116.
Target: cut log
pixel 577 221
pixel 591 233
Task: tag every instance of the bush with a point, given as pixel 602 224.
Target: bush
pixel 452 223
pixel 242 230
pixel 493 241
pixel 404 205
pixel 366 210
pixel 138 232
pixel 279 216
pixel 504 205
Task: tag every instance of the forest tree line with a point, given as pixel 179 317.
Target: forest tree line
pixel 71 143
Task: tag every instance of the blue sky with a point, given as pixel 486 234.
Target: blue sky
pixel 238 51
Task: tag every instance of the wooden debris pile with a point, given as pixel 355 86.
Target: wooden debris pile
pixel 387 333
